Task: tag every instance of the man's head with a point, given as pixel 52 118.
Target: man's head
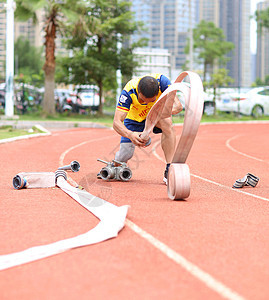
pixel 148 89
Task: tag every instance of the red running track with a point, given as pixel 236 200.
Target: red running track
pixel 213 245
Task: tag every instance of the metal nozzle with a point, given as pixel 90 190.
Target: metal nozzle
pixel 74 166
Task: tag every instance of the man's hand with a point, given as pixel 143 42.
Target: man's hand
pixel 136 139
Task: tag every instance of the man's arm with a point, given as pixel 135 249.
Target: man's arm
pixel 164 84
pixel 120 128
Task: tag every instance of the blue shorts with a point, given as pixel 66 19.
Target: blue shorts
pixel 136 126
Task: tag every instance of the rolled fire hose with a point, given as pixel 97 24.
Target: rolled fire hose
pixel 248 180
pixel 178 186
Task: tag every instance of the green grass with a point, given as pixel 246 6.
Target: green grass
pixel 221 117
pixel 9 132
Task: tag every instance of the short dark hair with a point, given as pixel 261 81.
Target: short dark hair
pixel 148 86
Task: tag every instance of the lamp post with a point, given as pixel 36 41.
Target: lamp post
pixel 9 105
pixel 190 37
pixel 118 73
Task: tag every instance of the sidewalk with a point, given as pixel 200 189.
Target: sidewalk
pixel 17 124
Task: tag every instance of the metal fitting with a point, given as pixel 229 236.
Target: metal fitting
pixel 121 172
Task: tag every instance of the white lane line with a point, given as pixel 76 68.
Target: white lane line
pixel 230 188
pixel 208 180
pixel 81 144
pixel 62 156
pixel 195 271
pixel 238 152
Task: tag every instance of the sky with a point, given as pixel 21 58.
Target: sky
pixel 253 26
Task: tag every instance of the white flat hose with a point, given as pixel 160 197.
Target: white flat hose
pixel 112 219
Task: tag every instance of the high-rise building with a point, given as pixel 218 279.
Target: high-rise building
pixel 262 57
pixel 167 25
pixel 233 17
pixel 209 11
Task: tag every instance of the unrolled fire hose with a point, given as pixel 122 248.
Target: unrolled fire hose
pixel 112 219
pixel 41 179
pixel 178 185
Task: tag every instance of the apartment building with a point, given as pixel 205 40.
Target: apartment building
pixel 168 23
pixel 233 17
pixel 262 56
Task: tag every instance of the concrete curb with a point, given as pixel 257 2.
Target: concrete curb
pixel 42 125
pixel 50 124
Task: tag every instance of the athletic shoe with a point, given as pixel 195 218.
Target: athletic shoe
pixel 166 173
pixel 165 176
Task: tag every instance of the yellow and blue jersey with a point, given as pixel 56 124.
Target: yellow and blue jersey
pixel 136 111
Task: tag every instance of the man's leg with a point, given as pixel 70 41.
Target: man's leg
pixel 168 142
pixel 168 138
pixel 125 153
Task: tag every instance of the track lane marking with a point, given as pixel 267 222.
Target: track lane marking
pixel 204 277
pixel 194 270
pixel 227 143
pixel 208 180
pixel 230 188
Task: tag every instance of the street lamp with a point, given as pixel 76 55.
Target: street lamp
pixel 191 38
pixel 9 105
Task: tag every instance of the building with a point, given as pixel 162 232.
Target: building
pixel 233 17
pixel 262 56
pixel 153 60
pixel 167 25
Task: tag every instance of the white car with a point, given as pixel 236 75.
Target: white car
pixel 88 98
pixel 208 101
pixel 254 103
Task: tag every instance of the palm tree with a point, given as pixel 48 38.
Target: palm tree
pixel 58 14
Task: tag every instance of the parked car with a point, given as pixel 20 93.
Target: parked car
pixel 88 97
pixel 208 101
pixel 254 102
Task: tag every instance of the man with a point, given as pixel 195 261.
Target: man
pixel 135 102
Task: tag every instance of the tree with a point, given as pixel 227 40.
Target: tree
pixel 57 15
pixel 28 62
pixel 260 82
pixel 209 42
pixel 220 78
pixel 262 18
pixel 96 53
